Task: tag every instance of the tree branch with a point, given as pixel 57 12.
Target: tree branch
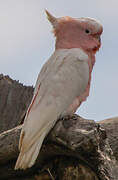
pixel 72 136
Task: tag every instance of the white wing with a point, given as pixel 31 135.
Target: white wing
pixel 63 78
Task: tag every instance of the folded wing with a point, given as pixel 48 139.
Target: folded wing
pixel 63 78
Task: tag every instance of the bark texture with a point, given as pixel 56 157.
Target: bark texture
pixel 111 126
pixel 14 101
pixel 75 149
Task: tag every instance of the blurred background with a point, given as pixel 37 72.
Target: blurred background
pixel 26 42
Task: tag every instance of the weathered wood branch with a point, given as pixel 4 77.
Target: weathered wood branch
pixel 84 140
pixel 111 127
pixel 75 148
pixel 14 101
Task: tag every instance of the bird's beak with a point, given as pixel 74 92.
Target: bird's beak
pixel 98 42
pixel 98 38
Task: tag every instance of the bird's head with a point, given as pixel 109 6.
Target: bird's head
pixel 76 33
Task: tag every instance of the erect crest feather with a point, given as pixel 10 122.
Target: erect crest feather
pixel 52 19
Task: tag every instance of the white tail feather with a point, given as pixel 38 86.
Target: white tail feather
pixel 28 158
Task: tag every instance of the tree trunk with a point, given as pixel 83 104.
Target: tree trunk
pixel 75 149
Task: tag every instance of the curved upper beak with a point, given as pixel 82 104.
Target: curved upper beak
pixel 99 38
pixel 98 45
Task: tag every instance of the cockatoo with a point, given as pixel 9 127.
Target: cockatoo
pixel 63 82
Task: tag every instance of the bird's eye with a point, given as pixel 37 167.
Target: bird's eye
pixel 87 31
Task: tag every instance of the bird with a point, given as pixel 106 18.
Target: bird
pixel 62 84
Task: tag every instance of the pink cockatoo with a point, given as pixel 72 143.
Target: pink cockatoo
pixel 63 83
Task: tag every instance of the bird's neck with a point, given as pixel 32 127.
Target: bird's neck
pixel 69 45
pixel 65 44
pixel 72 43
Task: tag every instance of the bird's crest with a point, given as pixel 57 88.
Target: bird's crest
pixel 52 19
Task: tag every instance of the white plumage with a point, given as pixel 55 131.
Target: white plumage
pixel 62 79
